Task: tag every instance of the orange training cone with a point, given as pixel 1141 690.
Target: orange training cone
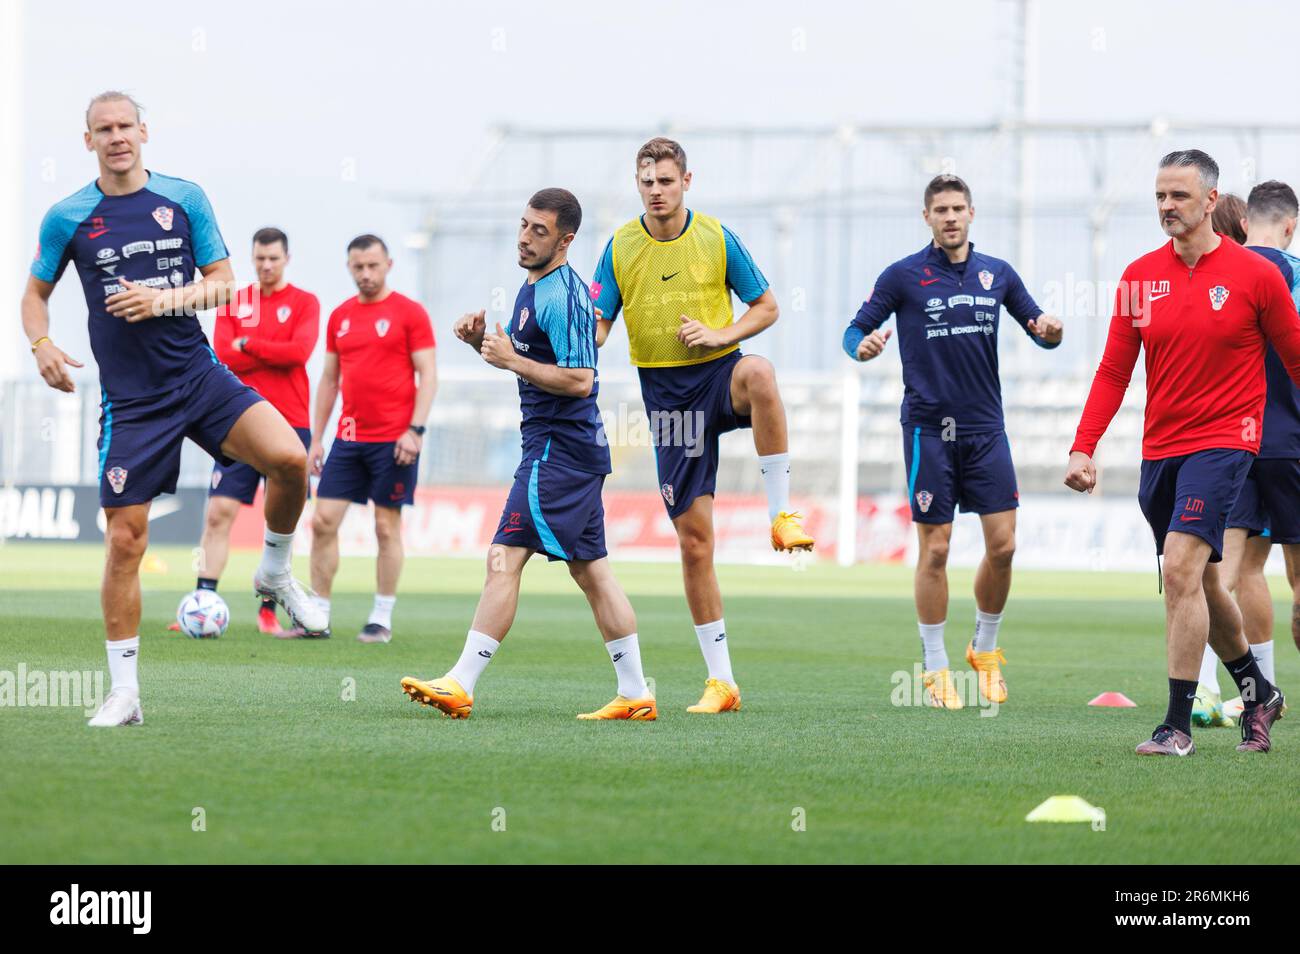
pixel 1114 700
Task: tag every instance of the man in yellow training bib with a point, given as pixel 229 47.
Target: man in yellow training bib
pixel 672 272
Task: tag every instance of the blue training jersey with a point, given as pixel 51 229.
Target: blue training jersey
pixel 743 276
pixel 947 335
pixel 1281 437
pixel 553 323
pixel 157 236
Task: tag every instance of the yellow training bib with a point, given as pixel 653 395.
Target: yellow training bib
pixel 661 281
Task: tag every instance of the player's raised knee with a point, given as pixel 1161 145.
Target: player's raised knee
pixel 289 464
pixel 759 375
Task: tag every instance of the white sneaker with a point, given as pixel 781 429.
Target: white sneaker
pixel 297 602
pixel 122 707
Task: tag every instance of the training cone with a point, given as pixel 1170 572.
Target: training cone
pixel 153 565
pixel 1114 700
pixel 1065 808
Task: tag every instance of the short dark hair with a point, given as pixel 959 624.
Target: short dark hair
pixel 1271 201
pixel 1207 167
pixel 568 213
pixel 363 242
pixel 946 183
pixel 661 147
pixel 269 236
pixel 1227 216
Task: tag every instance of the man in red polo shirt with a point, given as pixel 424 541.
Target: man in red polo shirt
pixel 1204 310
pixel 265 336
pixel 377 344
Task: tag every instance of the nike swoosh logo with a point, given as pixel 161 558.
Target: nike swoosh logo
pixel 928 281
pixel 1186 519
pixel 1158 297
pixel 512 529
pixel 673 275
pixel 96 234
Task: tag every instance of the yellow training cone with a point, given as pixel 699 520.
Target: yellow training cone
pixel 153 565
pixel 1065 808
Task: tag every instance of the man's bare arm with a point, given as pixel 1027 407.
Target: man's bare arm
pixel 51 361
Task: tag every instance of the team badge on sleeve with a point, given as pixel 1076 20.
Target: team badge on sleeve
pixel 163 216
pixel 986 279
pixel 923 500
pixel 1218 295
pixel 117 479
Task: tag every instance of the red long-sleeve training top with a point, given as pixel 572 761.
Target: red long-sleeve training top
pixel 281 329
pixel 1204 330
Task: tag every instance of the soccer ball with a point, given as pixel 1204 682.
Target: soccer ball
pixel 203 615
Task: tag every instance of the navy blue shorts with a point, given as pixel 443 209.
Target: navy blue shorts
pixel 362 470
pixel 554 510
pixel 1269 502
pixel 975 471
pixel 1193 494
pixel 140 438
pixel 688 408
pixel 239 480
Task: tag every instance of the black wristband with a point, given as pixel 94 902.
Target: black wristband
pixel 418 428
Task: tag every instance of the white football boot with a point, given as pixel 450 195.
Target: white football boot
pixel 122 707
pixel 306 614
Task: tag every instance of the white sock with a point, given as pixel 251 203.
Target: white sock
pixel 478 652
pixel 986 631
pixel 277 550
pixel 1209 677
pixel 776 482
pixel 713 643
pixel 936 657
pixel 122 656
pixel 625 653
pixel 382 614
pixel 1264 656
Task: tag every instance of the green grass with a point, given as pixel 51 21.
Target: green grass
pixel 254 731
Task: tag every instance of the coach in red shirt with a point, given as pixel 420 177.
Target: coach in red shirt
pixel 1204 309
pixel 265 336
pixel 377 345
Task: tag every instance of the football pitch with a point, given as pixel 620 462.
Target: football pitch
pixel 301 752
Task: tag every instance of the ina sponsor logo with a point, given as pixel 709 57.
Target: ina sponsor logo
pixel 75 906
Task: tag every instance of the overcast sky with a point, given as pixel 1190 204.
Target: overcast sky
pixel 302 114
